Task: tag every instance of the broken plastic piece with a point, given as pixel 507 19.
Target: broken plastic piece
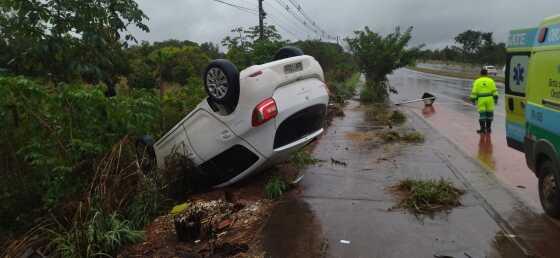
pixel 346 242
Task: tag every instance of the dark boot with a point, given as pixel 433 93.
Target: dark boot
pixel 488 126
pixel 482 127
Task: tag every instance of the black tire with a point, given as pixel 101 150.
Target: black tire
pixel 221 82
pixel 549 193
pixel 146 155
pixel 287 52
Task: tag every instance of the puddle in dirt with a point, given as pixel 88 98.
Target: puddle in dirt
pixel 293 231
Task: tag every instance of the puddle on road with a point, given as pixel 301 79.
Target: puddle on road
pixel 486 152
pixel 293 231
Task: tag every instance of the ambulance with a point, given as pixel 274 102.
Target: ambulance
pixel 533 105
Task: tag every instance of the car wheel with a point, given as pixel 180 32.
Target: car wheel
pixel 146 155
pixel 287 52
pixel 221 81
pixel 549 193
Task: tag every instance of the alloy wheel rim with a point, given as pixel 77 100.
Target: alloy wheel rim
pixel 217 82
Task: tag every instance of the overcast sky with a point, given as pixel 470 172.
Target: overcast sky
pixel 435 22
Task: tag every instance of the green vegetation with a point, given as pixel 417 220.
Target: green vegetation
pixel 427 196
pixel 275 187
pixel 345 90
pixel 303 158
pixel 475 47
pixel 97 234
pixel 383 115
pixel 413 137
pixel 378 56
pixel 394 136
pixel 397 117
pixel 68 41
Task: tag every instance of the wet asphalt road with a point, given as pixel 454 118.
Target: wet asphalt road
pixel 347 210
pixel 457 119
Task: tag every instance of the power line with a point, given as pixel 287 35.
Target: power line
pixel 311 21
pixel 287 8
pixel 286 20
pixel 283 28
pixel 307 21
pixel 239 7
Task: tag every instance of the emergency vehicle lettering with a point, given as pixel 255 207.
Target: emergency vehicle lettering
pixel 522 38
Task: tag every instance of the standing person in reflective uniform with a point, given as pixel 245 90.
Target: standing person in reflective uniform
pixel 485 95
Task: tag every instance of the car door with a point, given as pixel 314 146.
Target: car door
pixel 207 135
pixel 517 70
pixel 224 154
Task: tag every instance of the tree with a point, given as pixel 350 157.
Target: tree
pixel 378 56
pixel 247 48
pixel 212 50
pixel 68 39
pixel 337 64
pixel 470 42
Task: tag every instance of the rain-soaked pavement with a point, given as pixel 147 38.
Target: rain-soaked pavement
pixel 456 118
pixel 347 211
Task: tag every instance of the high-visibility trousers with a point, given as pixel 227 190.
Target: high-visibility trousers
pixel 486 107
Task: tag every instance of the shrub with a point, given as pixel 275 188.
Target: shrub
pixel 93 233
pixel 51 138
pixel 397 117
pixel 303 158
pixel 275 187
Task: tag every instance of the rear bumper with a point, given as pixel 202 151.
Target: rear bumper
pixel 279 155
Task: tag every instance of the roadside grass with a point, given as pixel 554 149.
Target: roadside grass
pixel 303 158
pixel 383 114
pixel 275 187
pixel 397 117
pixel 413 137
pixel 394 136
pixel 427 196
pixel 346 89
pixel 468 76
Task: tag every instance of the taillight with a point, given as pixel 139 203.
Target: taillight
pixel 264 112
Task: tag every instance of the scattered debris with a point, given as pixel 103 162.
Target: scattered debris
pixel 179 208
pixel 297 180
pixel 390 136
pixel 394 136
pixel 427 196
pixel 338 163
pixel 214 228
pixel 397 117
pixel 521 187
pixel 346 242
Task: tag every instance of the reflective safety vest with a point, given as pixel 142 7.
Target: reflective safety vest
pixel 483 87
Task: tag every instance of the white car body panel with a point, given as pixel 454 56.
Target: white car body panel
pixel 203 134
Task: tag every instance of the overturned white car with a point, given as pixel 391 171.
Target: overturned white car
pixel 250 120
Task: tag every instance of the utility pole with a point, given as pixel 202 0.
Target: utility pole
pixel 262 15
